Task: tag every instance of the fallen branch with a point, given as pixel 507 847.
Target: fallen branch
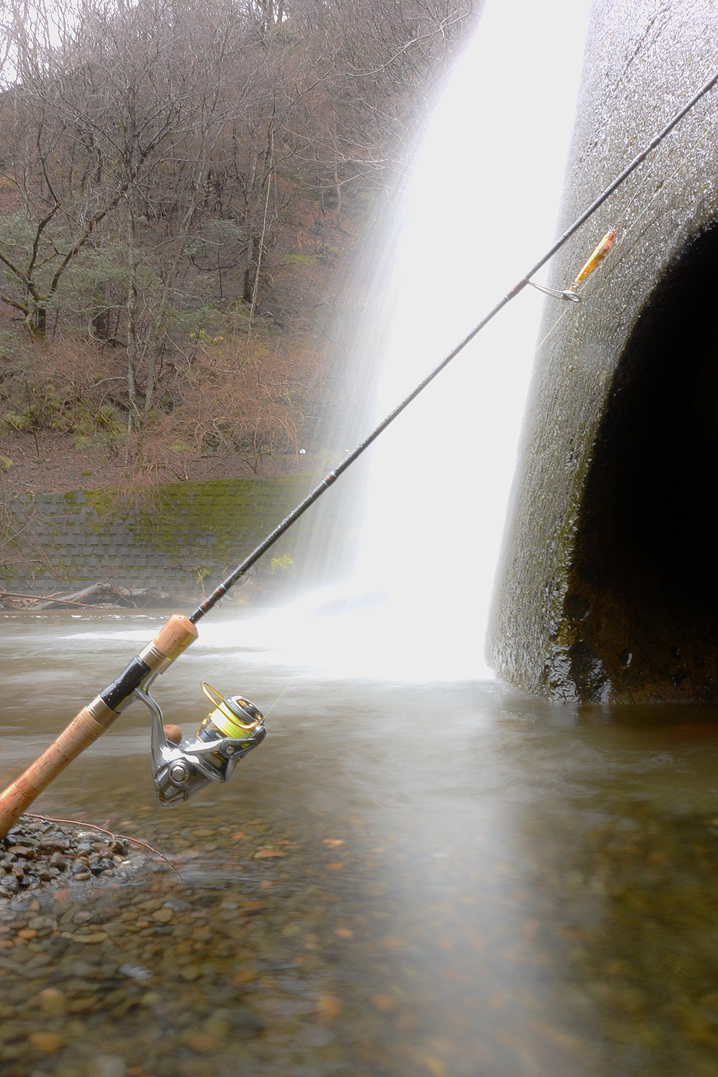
pixel 101 587
pixel 45 598
pixel 107 594
pixel 110 833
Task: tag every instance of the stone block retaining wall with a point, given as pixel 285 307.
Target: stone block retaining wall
pixel 192 531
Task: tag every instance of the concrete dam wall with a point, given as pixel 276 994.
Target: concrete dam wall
pixel 608 587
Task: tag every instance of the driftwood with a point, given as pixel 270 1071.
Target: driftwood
pixel 99 591
pixel 102 591
pixel 99 595
pixel 46 601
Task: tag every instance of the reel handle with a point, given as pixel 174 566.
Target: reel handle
pixel 92 721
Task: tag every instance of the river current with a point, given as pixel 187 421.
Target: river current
pixel 442 878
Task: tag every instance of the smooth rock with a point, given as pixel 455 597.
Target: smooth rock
pixel 53 1002
pixel 163 915
pixel 191 973
pixel 47 1042
pixel 178 904
pixel 108 1066
pixel 135 972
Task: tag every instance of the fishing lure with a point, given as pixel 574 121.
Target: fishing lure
pixel 596 258
pixel 233 728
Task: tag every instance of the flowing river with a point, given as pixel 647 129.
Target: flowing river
pixel 420 872
pixel 440 878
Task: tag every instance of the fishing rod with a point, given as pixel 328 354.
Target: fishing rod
pixel 235 726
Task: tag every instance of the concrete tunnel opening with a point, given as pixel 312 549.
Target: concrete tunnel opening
pixel 642 602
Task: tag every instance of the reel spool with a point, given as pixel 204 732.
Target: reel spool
pixel 182 767
pixel 232 717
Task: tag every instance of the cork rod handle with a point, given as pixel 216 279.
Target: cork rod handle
pixel 92 721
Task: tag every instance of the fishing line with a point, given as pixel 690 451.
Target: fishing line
pixel 664 184
pixel 647 177
pixel 283 692
pixel 207 604
pixel 659 190
pixel 596 287
pixel 237 726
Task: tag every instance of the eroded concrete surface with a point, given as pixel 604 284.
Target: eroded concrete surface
pixel 607 589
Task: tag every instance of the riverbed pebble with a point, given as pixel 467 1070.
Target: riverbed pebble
pixel 276 966
pixel 39 854
pixel 148 974
pixel 53 1002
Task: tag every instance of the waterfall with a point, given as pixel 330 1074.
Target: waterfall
pixel 480 208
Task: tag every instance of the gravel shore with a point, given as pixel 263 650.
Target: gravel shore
pixel 42 854
pixel 112 965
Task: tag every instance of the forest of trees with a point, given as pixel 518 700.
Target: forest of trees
pixel 182 185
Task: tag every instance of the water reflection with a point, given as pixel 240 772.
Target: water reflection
pixel 440 878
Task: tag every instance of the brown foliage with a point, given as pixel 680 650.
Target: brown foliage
pixel 176 171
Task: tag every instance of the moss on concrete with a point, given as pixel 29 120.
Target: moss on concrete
pixel 225 515
pixel 192 531
pixel 557 537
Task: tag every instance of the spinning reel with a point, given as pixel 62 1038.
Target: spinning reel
pixel 182 767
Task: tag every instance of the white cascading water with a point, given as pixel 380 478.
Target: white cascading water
pixel 481 208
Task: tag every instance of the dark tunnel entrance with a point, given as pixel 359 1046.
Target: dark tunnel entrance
pixel 643 593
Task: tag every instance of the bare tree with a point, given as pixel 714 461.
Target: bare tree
pixel 160 160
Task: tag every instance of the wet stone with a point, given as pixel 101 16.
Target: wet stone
pixel 53 1002
pixel 156 976
pixel 39 854
pixel 103 1065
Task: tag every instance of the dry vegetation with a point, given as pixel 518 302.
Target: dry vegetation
pixel 182 186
